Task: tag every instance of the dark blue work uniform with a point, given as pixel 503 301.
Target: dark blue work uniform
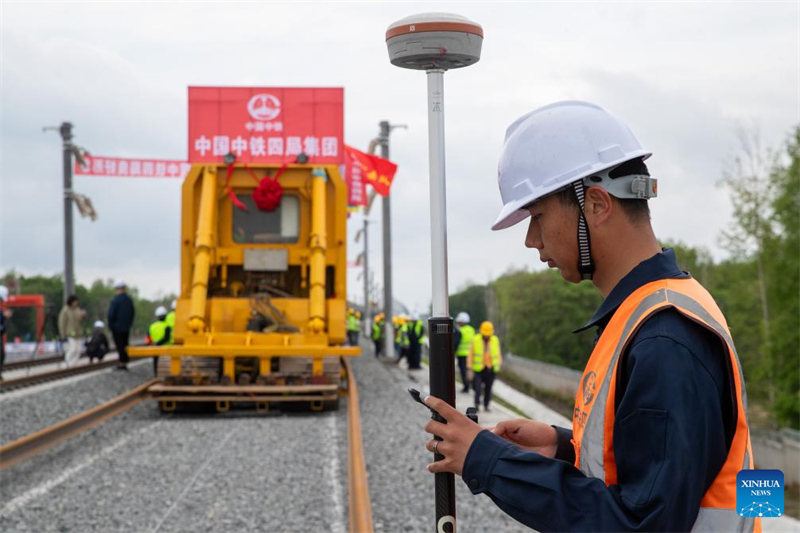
pixel 672 364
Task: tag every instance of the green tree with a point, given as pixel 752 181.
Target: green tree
pixel 782 246
pixel 752 193
pixel 470 300
pixel 538 311
pixel 94 299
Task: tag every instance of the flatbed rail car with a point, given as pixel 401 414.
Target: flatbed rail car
pixel 261 314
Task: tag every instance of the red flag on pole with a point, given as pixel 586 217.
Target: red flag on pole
pixel 376 171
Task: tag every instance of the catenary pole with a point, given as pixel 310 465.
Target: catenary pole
pixel 388 348
pixel 69 260
pixel 367 320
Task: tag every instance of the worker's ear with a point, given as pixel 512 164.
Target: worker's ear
pixel 598 206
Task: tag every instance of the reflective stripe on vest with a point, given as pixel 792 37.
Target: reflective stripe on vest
pixel 477 353
pixel 157 331
pixel 594 414
pixel 467 335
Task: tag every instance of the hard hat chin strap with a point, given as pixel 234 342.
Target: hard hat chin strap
pixel 585 263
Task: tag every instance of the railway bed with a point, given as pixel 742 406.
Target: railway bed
pixel 37 378
pixel 146 471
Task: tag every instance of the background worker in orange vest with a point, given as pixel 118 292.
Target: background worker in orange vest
pixel 659 429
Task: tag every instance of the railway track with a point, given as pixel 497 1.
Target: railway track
pixel 43 377
pixel 359 504
pixel 30 363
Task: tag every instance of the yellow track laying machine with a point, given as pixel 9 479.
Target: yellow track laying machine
pixel 261 316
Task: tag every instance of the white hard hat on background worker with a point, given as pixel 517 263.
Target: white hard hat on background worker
pixel 3 293
pixel 462 318
pixel 161 311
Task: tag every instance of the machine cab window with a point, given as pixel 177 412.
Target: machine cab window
pixel 254 226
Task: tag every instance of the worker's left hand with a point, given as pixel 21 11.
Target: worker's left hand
pixel 457 436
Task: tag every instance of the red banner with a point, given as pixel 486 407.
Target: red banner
pixel 354 178
pixel 376 171
pixel 266 124
pixel 131 168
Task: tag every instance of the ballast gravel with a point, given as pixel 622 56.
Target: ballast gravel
pixel 238 471
pixel 27 410
pixel 187 473
pixel 400 487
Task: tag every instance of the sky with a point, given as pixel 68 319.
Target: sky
pixel 684 76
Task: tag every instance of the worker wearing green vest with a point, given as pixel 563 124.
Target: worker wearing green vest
pixel 401 339
pixel 170 320
pixel 463 343
pixel 485 360
pixel 160 333
pixel 353 326
pixel 414 333
pixel 378 328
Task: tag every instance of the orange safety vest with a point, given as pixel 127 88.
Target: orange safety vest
pixel 594 414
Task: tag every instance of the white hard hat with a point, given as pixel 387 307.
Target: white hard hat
pixel 161 310
pixel 414 316
pixel 559 144
pixel 3 293
pixel 99 324
pixel 119 284
pixel 462 318
pixel 173 305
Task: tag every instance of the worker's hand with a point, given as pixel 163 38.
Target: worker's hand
pixel 470 375
pixel 530 435
pixel 457 436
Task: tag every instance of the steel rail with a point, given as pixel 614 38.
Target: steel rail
pixel 43 377
pixel 25 447
pixel 360 506
pixel 28 363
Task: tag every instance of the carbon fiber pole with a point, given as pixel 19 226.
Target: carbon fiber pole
pixel 443 385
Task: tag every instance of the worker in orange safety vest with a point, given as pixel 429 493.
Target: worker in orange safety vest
pixel 659 427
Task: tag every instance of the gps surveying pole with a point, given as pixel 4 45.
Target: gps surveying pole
pixel 436 42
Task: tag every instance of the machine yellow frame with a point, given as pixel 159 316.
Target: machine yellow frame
pixel 216 326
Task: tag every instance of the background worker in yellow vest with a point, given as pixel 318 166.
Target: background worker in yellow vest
pixel 484 362
pixel 415 331
pixel 397 323
pixel 401 341
pixel 659 429
pixel 170 320
pixel 463 343
pixel 353 326
pixel 160 333
pixel 378 328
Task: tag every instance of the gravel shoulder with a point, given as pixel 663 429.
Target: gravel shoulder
pixel 401 489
